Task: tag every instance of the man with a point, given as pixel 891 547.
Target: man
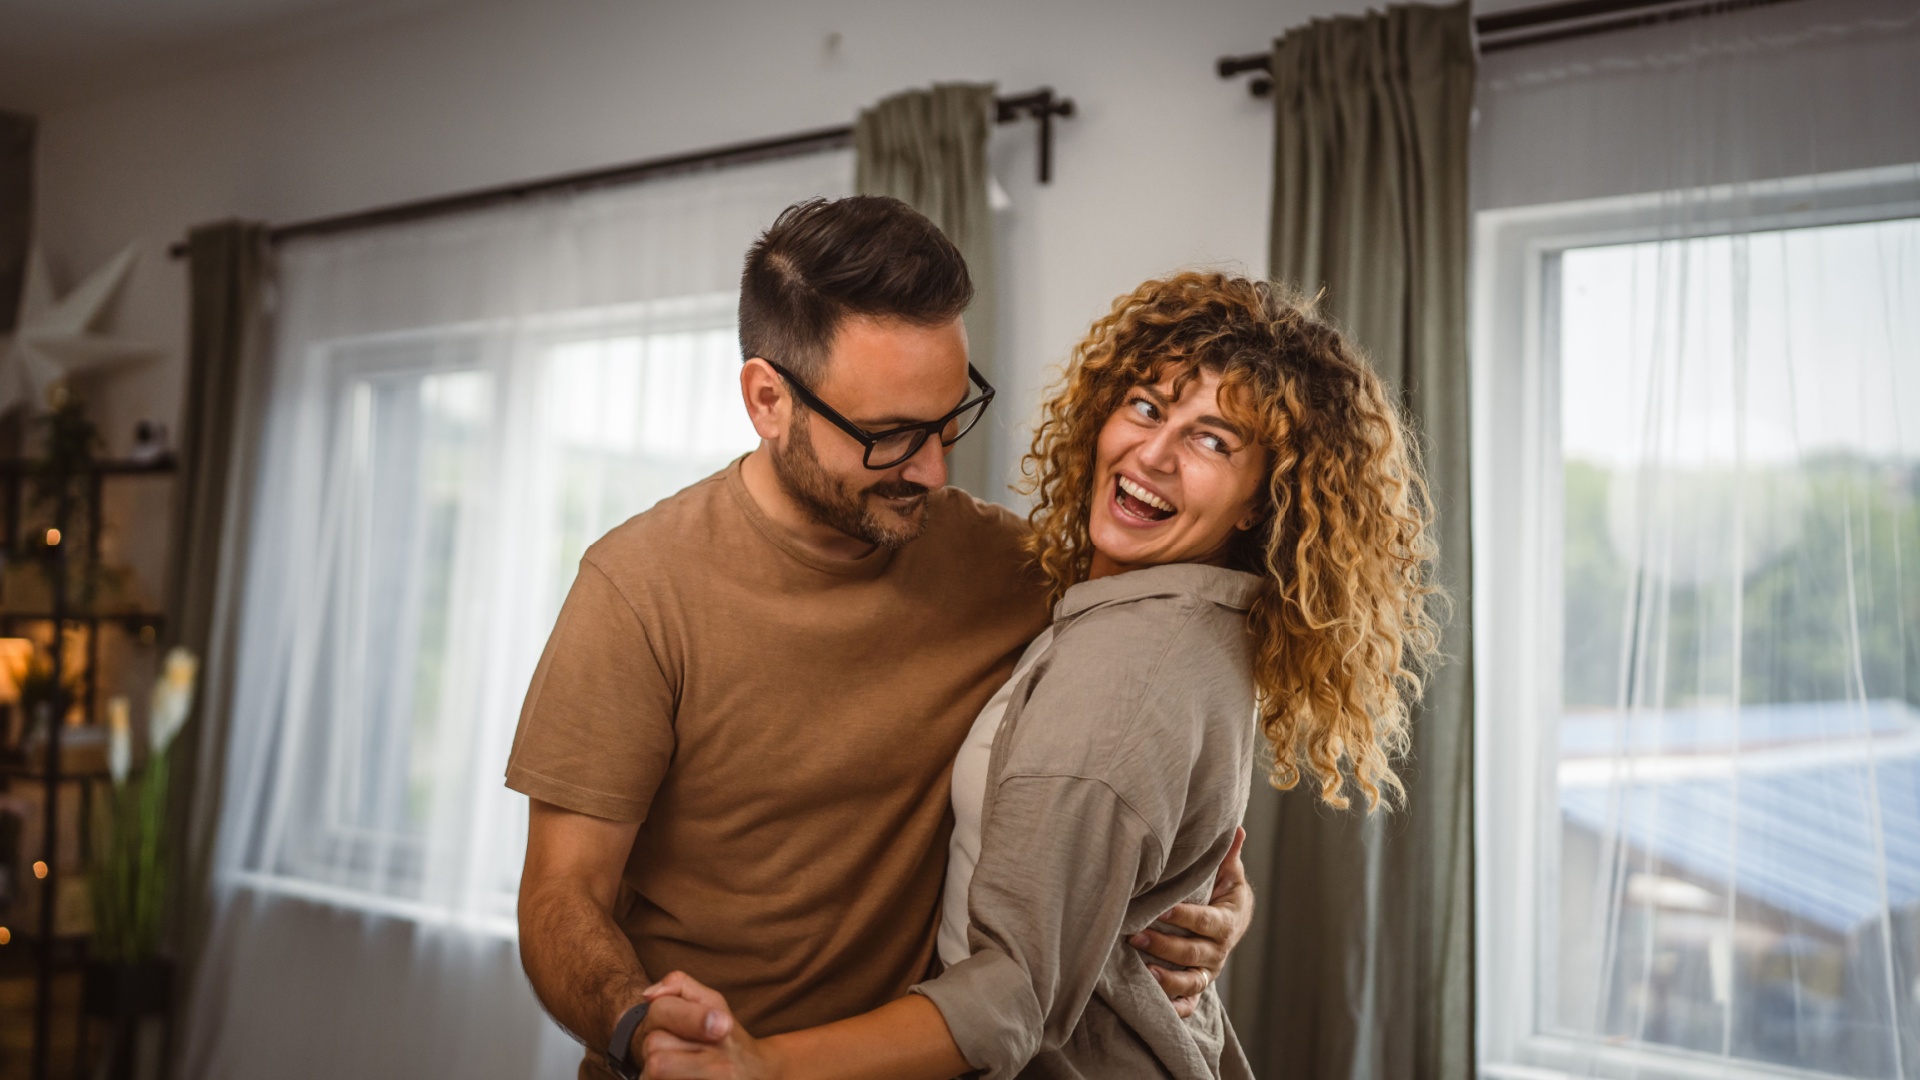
pixel 737 742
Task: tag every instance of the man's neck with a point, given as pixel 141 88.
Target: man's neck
pixel 764 487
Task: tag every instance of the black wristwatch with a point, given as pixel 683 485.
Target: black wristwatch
pixel 620 1047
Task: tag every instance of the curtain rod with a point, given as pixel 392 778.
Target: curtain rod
pixel 1518 28
pixel 1040 105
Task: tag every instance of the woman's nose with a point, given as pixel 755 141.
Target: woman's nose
pixel 1158 452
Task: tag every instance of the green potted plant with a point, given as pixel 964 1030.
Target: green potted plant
pixel 126 977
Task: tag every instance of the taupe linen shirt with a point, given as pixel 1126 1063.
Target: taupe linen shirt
pixel 1114 787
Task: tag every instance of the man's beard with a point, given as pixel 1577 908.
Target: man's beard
pixel 838 505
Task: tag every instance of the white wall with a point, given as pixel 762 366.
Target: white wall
pixel 1164 166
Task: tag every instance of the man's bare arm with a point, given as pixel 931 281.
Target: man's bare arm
pixel 578 960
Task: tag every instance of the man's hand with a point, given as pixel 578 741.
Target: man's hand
pixel 1193 963
pixel 690 1034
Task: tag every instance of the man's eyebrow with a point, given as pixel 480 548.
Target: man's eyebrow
pixel 884 422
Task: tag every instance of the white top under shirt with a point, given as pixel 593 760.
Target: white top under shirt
pixel 969 795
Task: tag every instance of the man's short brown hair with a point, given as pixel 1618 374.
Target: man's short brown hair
pixel 821 261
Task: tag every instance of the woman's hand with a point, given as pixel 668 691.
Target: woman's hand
pixel 692 1035
pixel 1217 926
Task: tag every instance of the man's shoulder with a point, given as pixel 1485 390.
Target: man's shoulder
pixel 663 539
pixel 959 517
pixel 975 542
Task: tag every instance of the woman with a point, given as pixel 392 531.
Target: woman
pixel 1232 521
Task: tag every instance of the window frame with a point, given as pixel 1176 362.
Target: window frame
pixel 1517 601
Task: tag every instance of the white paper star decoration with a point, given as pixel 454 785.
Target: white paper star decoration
pixel 55 339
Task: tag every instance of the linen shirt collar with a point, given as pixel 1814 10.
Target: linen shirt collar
pixel 1234 589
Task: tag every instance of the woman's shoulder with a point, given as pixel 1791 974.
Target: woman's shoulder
pixel 1181 616
pixel 1154 666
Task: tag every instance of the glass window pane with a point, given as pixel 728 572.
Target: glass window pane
pixel 1738 843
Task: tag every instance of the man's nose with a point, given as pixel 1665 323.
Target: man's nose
pixel 928 465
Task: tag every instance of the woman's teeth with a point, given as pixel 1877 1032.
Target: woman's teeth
pixel 1149 505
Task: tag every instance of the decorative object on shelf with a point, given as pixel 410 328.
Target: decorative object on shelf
pixel 149 443
pixel 126 979
pixel 58 338
pixel 16 659
pixel 63 477
pixel 119 738
pixel 40 700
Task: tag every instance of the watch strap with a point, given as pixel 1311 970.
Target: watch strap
pixel 620 1046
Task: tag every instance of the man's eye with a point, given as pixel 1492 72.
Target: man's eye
pixel 1144 408
pixel 1216 444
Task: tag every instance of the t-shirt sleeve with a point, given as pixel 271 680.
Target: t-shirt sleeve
pixel 596 731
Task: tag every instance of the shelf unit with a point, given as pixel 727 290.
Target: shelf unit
pixel 54 951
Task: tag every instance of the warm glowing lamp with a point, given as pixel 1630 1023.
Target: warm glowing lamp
pixel 16 656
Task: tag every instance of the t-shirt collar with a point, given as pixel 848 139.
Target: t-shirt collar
pixel 1234 589
pixel 872 564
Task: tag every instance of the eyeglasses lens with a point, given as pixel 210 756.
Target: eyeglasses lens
pixel 895 449
pixel 962 424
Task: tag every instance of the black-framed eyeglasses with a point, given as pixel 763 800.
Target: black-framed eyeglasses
pixel 888 448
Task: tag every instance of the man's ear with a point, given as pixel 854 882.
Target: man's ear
pixel 765 396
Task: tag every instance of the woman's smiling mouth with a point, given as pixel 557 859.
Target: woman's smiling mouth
pixel 1135 501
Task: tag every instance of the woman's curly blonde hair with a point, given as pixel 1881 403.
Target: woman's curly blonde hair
pixel 1342 627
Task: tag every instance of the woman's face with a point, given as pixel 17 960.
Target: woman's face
pixel 1173 479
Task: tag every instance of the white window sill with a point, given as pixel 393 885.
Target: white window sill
pixel 1558 1057
pixel 425 915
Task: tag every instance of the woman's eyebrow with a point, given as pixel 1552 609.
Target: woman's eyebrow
pixel 1225 425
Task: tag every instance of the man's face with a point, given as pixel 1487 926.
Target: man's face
pixel 880 374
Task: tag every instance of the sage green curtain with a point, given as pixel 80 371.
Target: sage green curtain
pixel 1361 965
pixel 228 268
pixel 928 148
pixel 16 210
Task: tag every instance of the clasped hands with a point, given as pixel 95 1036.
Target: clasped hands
pixel 691 1034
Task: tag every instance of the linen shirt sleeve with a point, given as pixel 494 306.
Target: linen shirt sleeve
pixel 596 732
pixel 1060 858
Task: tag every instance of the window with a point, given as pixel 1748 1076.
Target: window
pixel 457 410
pixel 635 403
pixel 1699 470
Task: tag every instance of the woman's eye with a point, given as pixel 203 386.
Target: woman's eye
pixel 1144 408
pixel 1215 443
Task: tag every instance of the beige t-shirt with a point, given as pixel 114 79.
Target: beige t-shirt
pixel 783 726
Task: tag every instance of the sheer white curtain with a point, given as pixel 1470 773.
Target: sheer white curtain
pixel 458 408
pixel 1698 349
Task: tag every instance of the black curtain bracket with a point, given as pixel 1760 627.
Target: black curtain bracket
pixel 1042 106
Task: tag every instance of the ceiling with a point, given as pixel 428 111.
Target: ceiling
pixel 57 52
